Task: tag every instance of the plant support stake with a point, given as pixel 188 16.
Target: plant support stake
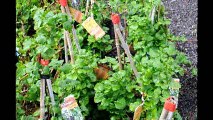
pixel 50 91
pixel 65 48
pixel 65 39
pixel 42 97
pixel 116 20
pixel 70 46
pixel 118 49
pixel 87 7
pixel 67 10
pixel 64 7
pixel 169 108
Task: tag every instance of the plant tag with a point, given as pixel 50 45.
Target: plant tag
pixel 93 28
pixel 137 113
pixel 70 109
pixel 76 14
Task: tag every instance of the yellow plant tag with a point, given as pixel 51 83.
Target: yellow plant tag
pixel 137 113
pixel 76 14
pixel 93 28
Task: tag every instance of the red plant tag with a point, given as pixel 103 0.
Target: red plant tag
pixel 63 2
pixel 115 18
pixel 44 62
pixel 169 105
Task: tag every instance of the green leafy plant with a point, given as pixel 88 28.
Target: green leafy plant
pixel 39 31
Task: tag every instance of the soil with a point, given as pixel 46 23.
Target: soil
pixel 183 16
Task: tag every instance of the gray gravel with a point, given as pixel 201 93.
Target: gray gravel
pixel 183 15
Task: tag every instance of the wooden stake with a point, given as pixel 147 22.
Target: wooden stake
pixel 67 36
pixel 70 46
pixel 118 49
pixel 65 47
pixel 163 114
pixel 65 39
pixel 67 10
pixel 126 49
pixel 50 91
pixel 87 7
pixel 76 39
pixel 42 98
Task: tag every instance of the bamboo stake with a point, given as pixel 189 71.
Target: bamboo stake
pixel 67 36
pixel 125 34
pixel 87 7
pixel 65 39
pixel 169 116
pixel 65 47
pixel 76 39
pixel 70 47
pixel 126 49
pixel 118 50
pixel 92 3
pixel 67 10
pixel 42 98
pixel 73 29
pixel 50 91
pixel 163 114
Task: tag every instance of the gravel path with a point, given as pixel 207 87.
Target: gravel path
pixel 183 15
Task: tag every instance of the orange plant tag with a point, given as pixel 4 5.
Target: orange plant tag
pixel 93 28
pixel 137 113
pixel 76 14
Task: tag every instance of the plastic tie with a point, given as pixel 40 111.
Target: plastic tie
pixel 63 2
pixel 169 105
pixel 44 62
pixel 115 18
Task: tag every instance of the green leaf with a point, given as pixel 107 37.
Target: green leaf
pixel 120 104
pixel 170 51
pixel 66 68
pixel 30 80
pixel 153 53
pixel 175 85
pixel 48 54
pixel 115 87
pixel 36 113
pixel 157 92
pixel 67 26
pixel 194 71
pixel 72 76
pixel 56 63
pixel 41 39
pixel 27 44
pixel 109 47
pixel 99 87
pixel 134 27
pixel 177 115
pixel 46 70
pixel 41 49
pixel 98 97
pixel 134 105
